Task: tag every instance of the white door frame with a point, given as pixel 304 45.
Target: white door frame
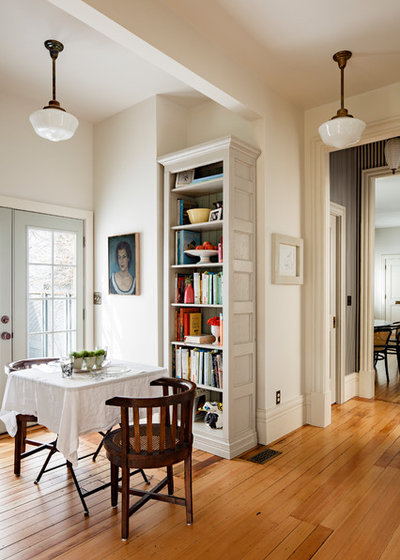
pixel 367 372
pixel 87 217
pixel 339 212
pixel 316 288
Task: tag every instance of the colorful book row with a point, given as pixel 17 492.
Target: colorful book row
pixel 187 322
pixel 203 367
pixel 208 287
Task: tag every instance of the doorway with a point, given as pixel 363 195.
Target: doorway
pixel 41 286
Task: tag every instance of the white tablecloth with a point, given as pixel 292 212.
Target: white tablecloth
pixel 75 406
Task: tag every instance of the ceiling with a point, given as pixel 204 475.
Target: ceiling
pixel 287 44
pixel 290 44
pixel 96 77
pixel 387 201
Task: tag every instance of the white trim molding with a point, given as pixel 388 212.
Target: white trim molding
pixel 274 423
pixel 350 386
pixel 339 212
pixel 367 264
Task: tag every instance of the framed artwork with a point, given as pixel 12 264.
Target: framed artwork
pixel 123 264
pixel 184 178
pixel 287 259
pixel 215 215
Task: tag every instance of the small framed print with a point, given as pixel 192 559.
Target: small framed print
pixel 287 259
pixel 184 178
pixel 215 215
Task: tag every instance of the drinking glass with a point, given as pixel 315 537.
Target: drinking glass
pixel 67 365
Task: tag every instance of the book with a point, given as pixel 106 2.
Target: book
pixel 208 171
pixel 199 339
pixel 202 179
pixel 194 324
pixel 197 287
pixel 186 239
pixel 178 362
pixel 185 363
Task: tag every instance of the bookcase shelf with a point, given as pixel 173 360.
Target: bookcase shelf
pixel 202 226
pixel 206 305
pixel 196 189
pixel 236 357
pixel 197 265
pixel 192 345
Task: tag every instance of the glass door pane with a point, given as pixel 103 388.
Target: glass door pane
pixel 48 285
pixel 51 294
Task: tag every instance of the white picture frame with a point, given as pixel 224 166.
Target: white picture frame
pixel 184 178
pixel 215 215
pixel 287 259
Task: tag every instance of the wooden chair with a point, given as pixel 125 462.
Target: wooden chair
pixel 381 339
pixel 21 441
pixel 393 342
pixel 152 445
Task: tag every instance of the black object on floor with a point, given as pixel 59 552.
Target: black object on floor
pixel 264 456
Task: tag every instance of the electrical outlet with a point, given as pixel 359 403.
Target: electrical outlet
pixel 278 397
pixel 97 298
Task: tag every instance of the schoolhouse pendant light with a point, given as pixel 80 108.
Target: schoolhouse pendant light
pixel 342 130
pixel 392 154
pixel 53 122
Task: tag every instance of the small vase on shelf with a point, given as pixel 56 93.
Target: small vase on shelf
pixel 215 331
pixel 188 296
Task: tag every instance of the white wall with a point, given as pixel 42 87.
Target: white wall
pixel 387 242
pixel 126 201
pixel 279 310
pixel 58 173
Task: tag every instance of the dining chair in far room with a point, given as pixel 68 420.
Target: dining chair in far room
pixel 164 440
pixel 381 339
pixel 393 342
pixel 20 440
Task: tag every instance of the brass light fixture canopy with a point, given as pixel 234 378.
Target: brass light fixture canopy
pixel 342 130
pixel 54 125
pixel 54 47
pixel 341 58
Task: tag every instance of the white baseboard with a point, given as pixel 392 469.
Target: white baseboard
pixel 350 386
pixel 276 422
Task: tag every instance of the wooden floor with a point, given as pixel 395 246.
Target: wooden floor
pixel 332 493
pixel 384 391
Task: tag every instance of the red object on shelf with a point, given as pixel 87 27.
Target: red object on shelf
pixel 220 252
pixel 188 296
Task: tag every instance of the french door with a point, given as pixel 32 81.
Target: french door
pixel 41 286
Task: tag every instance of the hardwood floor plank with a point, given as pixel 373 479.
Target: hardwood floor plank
pixel 332 493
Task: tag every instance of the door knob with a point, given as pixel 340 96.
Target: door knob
pixel 5 336
pixel 5 319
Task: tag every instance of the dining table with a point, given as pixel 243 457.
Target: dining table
pixel 382 323
pixel 74 406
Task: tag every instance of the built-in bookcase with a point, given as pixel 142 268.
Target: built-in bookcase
pixel 234 384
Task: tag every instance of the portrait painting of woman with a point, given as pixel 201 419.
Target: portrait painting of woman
pixel 123 264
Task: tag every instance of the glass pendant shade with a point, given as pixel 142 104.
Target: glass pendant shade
pixel 341 132
pixel 54 124
pixel 392 153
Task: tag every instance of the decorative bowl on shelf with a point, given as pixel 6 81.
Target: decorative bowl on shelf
pixel 204 254
pixel 198 215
